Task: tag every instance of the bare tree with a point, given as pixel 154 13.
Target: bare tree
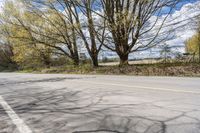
pixel 71 28
pixel 91 32
pixel 123 26
pixel 129 22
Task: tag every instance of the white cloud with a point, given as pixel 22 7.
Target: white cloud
pixel 182 23
pixel 185 29
pixel 181 34
pixel 1 4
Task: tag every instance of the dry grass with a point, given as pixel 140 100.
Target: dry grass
pixel 170 69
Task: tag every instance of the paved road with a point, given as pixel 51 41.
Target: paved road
pixel 31 103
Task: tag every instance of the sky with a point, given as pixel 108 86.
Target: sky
pixel 1 4
pixel 183 11
pixel 187 11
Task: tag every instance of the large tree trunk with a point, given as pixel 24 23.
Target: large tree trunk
pixel 95 61
pixel 123 60
pixel 47 63
pixel 75 59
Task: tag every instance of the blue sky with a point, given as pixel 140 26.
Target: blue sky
pixel 183 12
pixel 177 8
pixel 185 2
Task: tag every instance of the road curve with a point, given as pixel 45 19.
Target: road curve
pixel 56 103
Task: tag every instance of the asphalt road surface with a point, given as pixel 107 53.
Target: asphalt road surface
pixel 32 103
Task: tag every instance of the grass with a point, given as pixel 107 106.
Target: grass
pixel 158 69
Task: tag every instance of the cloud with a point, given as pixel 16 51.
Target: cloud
pixel 179 20
pixel 181 23
pixel 184 18
pixel 1 4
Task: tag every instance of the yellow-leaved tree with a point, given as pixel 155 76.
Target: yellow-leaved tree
pixel 27 52
pixel 193 45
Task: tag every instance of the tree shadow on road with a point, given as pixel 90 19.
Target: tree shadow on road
pixel 86 111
